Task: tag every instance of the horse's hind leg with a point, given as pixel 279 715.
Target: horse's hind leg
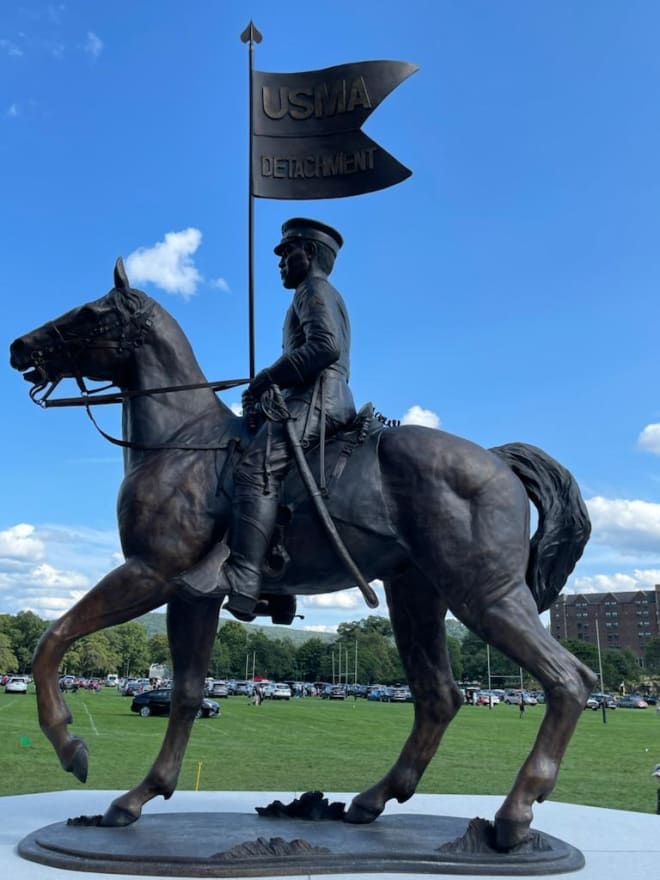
pixel 128 591
pixel 192 628
pixel 417 613
pixel 512 625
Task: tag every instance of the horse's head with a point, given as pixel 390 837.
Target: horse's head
pixel 95 341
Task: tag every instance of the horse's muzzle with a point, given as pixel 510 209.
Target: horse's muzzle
pixel 22 357
pixel 21 354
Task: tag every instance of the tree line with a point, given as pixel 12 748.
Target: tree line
pixel 238 652
pixel 364 651
pixel 618 665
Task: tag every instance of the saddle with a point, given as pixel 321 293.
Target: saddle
pixel 347 460
pixel 328 463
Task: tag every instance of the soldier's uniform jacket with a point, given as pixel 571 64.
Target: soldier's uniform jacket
pixel 316 339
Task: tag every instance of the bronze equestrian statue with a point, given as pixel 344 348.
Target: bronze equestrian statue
pixel 443 522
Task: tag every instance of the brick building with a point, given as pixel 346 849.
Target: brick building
pixel 625 620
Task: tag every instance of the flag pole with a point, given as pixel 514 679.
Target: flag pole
pixel 251 36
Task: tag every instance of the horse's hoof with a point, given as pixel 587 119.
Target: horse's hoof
pixel 360 814
pixel 118 817
pixel 509 833
pixel 75 759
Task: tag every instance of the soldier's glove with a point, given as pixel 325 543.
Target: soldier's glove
pixel 261 382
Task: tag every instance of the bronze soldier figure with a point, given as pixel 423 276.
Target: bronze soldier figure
pixel 312 374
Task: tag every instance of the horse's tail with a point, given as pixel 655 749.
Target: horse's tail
pixel 563 521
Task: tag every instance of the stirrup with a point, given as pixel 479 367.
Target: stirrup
pixel 242 606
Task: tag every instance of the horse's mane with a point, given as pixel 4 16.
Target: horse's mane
pixel 135 305
pixel 131 301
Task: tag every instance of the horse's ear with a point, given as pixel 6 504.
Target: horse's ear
pixel 121 278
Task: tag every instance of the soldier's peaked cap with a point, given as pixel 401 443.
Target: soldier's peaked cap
pixel 314 230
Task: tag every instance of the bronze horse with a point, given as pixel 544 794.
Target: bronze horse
pixel 443 522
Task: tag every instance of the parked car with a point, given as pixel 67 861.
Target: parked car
pixel 596 701
pixel 281 692
pixel 16 684
pixel 400 695
pixel 68 683
pixel 135 686
pixel 487 698
pixel 157 702
pixel 379 694
pixel 514 698
pixel 333 692
pixel 632 701
pixel 219 689
pixel 243 688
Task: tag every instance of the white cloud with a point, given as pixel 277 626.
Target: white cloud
pixel 236 408
pixel 43 589
pixel 344 599
pixel 649 439
pixel 46 569
pixel 19 542
pixel 168 264
pixel 11 48
pixel 221 284
pixel 13 110
pixel 46 576
pixel 418 416
pixel 638 579
pixel 321 628
pixel 54 12
pixel 625 524
pixel 93 45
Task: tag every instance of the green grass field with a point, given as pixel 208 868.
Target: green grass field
pixel 332 746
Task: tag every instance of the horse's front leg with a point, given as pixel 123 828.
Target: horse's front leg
pixel 130 590
pixel 192 627
pixel 417 613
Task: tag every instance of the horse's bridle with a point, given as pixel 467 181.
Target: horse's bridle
pixel 71 347
pixel 76 343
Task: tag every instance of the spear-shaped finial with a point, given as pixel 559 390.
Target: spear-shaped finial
pixel 251 34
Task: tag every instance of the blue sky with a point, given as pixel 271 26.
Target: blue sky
pixel 509 288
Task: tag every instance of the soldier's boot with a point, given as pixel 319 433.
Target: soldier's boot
pixel 253 523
